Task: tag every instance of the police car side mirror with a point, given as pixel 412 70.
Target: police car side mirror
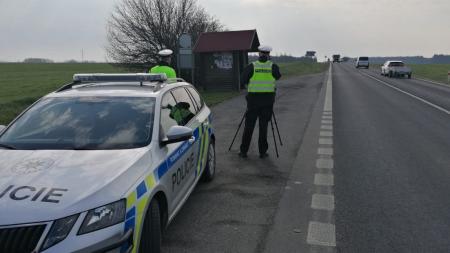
pixel 2 127
pixel 177 134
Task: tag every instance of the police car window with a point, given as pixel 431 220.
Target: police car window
pixel 167 121
pixel 84 123
pixel 184 109
pixel 198 100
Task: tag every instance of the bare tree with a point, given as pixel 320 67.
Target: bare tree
pixel 138 29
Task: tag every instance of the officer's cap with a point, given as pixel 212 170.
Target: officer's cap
pixel 165 52
pixel 265 49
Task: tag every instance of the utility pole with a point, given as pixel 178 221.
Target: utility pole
pixel 82 55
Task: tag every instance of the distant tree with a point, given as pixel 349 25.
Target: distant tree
pixel 138 29
pixel 37 60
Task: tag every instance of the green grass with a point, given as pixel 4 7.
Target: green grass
pixel 22 84
pixel 301 68
pixel 215 97
pixel 435 72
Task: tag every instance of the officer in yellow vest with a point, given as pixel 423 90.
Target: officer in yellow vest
pixel 260 77
pixel 163 66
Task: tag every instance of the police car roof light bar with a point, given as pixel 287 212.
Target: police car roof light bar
pixel 100 77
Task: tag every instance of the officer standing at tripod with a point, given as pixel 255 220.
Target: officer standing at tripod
pixel 260 77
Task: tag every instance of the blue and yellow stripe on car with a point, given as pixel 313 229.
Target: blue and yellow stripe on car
pixel 138 199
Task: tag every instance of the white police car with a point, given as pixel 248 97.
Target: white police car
pixel 103 164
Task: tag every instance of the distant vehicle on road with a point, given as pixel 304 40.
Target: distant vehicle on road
pixel 362 62
pixel 336 57
pixel 396 69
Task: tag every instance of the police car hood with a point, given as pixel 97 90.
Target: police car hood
pixel 46 185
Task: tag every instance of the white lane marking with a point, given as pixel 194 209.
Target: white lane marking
pixel 322 234
pixel 326 141
pixel 328 106
pixel 409 94
pixel 322 202
pixel 325 163
pixel 327 122
pixel 326 133
pixel 324 179
pixel 326 127
pixel 325 151
pixel 327 113
pixel 327 117
pixel 433 82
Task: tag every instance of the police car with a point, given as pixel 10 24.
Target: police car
pixel 103 164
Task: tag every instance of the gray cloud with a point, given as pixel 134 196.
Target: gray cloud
pixel 59 29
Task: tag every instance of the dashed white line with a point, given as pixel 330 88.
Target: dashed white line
pixel 325 163
pixel 326 141
pixel 325 151
pixel 322 234
pixel 326 127
pixel 324 179
pixel 322 202
pixel 326 133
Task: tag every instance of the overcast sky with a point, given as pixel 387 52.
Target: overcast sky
pixel 60 29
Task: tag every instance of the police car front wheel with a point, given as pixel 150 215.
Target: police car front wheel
pixel 151 231
pixel 210 169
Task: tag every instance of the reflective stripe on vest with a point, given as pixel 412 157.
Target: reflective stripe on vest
pixel 262 79
pixel 170 72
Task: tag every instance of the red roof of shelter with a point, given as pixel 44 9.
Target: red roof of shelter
pixel 227 41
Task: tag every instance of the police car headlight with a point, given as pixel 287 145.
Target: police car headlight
pixel 59 231
pixel 103 217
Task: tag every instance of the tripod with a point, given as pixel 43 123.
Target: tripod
pixel 272 121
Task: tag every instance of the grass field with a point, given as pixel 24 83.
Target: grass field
pixel 436 72
pixel 300 68
pixel 22 84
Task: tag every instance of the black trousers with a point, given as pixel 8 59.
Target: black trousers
pixel 258 108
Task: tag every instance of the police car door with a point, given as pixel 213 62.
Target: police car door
pixel 181 157
pixel 203 121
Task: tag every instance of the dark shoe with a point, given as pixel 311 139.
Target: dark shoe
pixel 262 156
pixel 242 155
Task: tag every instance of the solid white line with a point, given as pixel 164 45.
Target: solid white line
pixel 433 82
pixel 409 94
pixel 328 106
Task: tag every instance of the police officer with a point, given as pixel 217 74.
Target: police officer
pixel 260 77
pixel 163 66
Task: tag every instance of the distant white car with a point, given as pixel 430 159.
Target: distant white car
pixel 103 164
pixel 362 62
pixel 395 69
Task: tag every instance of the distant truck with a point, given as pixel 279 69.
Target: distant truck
pixel 336 57
pixel 396 69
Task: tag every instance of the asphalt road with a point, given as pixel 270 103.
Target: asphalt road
pixel 392 161
pixel 365 168
pixel 235 212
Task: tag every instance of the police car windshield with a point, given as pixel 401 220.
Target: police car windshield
pixel 84 123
